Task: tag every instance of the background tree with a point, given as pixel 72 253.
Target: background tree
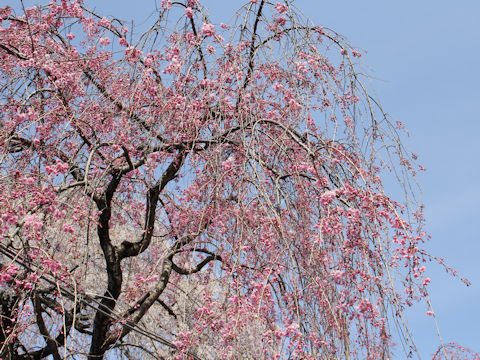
pixel 199 191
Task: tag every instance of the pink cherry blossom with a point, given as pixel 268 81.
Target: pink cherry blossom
pixel 122 41
pixel 356 53
pixel 104 41
pixel 189 12
pixel 280 21
pixel 281 8
pixel 208 29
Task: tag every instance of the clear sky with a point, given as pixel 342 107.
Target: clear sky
pixel 424 57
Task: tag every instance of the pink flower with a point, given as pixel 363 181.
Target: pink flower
pixel 166 4
pixel 343 52
pixel 12 270
pixel 33 221
pixel 229 163
pixel 28 286
pixel 189 12
pixel 337 275
pixel 132 54
pixel 277 87
pixel 34 277
pixel 356 53
pixel 67 228
pixel 281 21
pixel 364 306
pixel 104 41
pixel 52 265
pixel 430 313
pixel 4 278
pixel 148 60
pixel 207 29
pixel 123 42
pixel 294 105
pixel 174 67
pixel 281 8
pixel 70 36
pixel 104 22
pixel 327 197
pixel 28 180
pixel 50 170
pixel 61 167
pixel 254 1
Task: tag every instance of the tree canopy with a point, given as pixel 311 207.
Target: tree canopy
pixel 199 191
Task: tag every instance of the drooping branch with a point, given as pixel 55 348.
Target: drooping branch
pixel 121 106
pixel 13 52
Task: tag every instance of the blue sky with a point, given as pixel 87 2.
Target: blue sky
pixel 424 59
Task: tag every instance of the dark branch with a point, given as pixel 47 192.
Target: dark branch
pixel 166 307
pixel 197 268
pixel 52 346
pixel 127 248
pixel 13 52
